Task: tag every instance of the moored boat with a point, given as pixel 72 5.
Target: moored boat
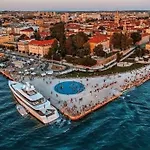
pixel 33 102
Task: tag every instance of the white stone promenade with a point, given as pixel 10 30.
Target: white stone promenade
pixel 97 89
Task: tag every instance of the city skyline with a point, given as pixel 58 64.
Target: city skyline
pixel 85 5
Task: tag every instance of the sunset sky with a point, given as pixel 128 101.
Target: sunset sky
pixel 74 4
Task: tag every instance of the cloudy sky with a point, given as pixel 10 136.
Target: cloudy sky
pixel 74 4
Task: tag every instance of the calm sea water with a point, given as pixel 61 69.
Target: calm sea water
pixel 123 124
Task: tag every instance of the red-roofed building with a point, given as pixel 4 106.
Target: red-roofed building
pixel 44 35
pixel 100 39
pixel 73 27
pixel 40 47
pixel 29 32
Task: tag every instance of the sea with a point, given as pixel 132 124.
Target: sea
pixel 123 124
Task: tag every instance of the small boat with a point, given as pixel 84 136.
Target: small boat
pixel 21 110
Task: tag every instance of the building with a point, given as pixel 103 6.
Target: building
pixel 41 48
pixel 99 39
pixel 23 47
pixel 39 22
pixel 28 32
pixel 148 47
pixel 117 18
pixel 65 17
pixel 6 38
pixel 148 30
pixel 11 45
pixel 44 35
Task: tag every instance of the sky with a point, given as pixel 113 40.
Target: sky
pixel 72 5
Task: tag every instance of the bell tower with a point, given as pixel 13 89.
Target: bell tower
pixel 117 18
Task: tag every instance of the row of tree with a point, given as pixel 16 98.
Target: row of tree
pixel 99 51
pixel 75 45
pixel 123 41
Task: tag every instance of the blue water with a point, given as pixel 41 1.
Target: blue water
pixel 69 87
pixel 123 124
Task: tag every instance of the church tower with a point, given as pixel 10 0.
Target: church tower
pixel 117 18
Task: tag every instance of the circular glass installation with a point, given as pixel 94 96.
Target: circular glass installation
pixel 69 87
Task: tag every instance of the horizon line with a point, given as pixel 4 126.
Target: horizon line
pixel 78 10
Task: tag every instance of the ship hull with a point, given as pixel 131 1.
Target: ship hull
pixel 43 119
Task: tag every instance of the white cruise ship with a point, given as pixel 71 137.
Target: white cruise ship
pixel 33 102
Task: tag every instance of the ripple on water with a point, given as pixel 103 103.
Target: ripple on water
pixel 123 124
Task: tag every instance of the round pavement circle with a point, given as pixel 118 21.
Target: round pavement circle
pixel 69 87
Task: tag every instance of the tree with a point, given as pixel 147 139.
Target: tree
pixel 136 37
pixel 1 23
pixel 37 35
pixel 91 20
pixel 87 50
pixel 83 52
pixel 77 45
pixel 139 52
pixel 80 39
pixel 120 41
pixel 123 41
pixel 102 28
pixel 12 48
pixel 119 55
pixel 120 27
pixel 98 51
pixel 2 46
pixel 58 32
pixel 48 38
pixel 52 51
pixel 115 41
pixel 130 41
pixel 70 47
pixel 88 61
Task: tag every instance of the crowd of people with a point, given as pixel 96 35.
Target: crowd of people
pixel 79 109
pixel 98 91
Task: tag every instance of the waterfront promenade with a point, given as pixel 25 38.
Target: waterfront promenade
pixel 98 91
